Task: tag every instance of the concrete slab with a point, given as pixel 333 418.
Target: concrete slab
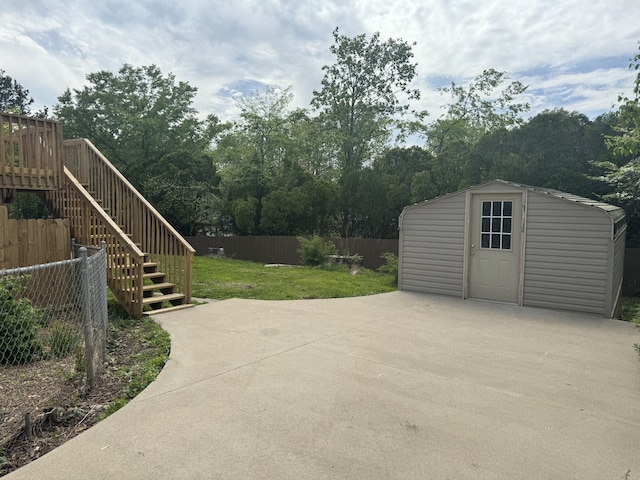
pixel 398 385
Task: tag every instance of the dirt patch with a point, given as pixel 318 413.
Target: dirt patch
pixel 53 398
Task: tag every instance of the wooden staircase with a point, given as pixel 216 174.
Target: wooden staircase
pixel 148 262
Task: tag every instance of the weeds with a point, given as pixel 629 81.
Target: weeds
pixel 155 346
pixel 630 312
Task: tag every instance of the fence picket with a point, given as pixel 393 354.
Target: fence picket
pixel 30 242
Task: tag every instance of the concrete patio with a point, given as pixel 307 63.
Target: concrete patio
pixel 397 385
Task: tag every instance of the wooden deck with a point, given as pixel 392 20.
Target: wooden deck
pixel 149 263
pixel 30 154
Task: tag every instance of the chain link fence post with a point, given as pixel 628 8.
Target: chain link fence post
pixel 86 317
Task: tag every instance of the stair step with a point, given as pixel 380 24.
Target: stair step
pixel 159 299
pixel 158 286
pixel 152 275
pixel 168 309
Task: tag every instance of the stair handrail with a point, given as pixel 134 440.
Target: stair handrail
pixel 125 261
pixel 132 189
pixel 132 212
pixel 106 219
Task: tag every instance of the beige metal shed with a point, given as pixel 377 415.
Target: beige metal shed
pixel 513 243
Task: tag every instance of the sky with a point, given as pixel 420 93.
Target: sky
pixel 572 54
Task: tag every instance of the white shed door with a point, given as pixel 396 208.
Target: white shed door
pixel 494 253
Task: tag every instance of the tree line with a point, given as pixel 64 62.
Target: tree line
pixel 349 163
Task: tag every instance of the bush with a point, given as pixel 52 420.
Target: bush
pixel 390 266
pixel 629 311
pixel 64 340
pixel 19 324
pixel 314 252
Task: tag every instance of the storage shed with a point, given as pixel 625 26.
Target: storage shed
pixel 513 243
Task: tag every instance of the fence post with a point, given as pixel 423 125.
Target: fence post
pixel 103 302
pixel 86 317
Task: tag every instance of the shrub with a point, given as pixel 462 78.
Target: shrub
pixel 64 340
pixel 390 266
pixel 19 324
pixel 315 251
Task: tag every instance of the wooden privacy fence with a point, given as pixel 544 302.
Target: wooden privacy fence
pixel 283 249
pixel 31 242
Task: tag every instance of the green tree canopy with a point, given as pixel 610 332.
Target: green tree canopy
pixel 183 186
pixel 485 105
pixel 14 98
pixel 363 95
pixel 622 176
pixel 626 140
pixel 360 93
pixel 275 172
pixel 135 117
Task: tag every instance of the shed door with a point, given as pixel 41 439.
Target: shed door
pixel 494 253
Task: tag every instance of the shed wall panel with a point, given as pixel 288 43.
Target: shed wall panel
pixel 566 255
pixel 433 246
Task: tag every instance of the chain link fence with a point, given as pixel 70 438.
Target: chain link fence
pixel 56 311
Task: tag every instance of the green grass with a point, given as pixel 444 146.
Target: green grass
pixel 630 310
pixel 222 278
pixel 146 346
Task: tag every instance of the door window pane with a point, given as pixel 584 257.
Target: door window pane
pixel 496 225
pixel 485 240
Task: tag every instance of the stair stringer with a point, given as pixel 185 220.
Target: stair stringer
pixel 90 225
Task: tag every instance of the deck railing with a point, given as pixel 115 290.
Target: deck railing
pixel 149 231
pixel 30 154
pixel 91 225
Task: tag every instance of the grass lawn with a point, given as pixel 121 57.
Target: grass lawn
pixel 630 310
pixel 221 278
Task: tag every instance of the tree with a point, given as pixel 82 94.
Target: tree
pixel 359 94
pixel 14 98
pixel 182 185
pixel 253 156
pixel 360 101
pixel 623 176
pixel 477 109
pixel 624 184
pixel 487 104
pixel 626 141
pixel 550 150
pixel 274 169
pixel 135 117
pixel 398 168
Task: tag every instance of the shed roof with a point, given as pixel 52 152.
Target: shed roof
pixel 614 212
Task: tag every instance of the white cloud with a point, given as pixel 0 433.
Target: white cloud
pixel 564 49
